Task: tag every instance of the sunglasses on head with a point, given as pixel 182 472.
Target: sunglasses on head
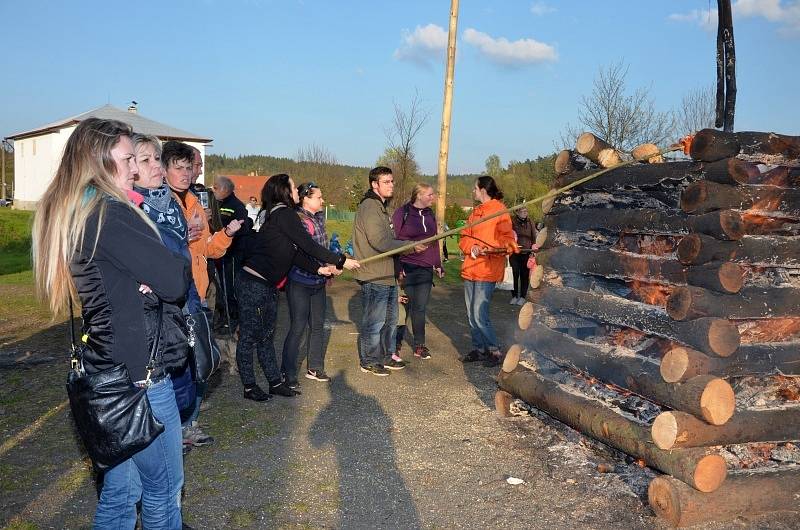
pixel 304 189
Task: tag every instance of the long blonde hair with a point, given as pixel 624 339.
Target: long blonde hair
pixel 85 177
pixel 419 188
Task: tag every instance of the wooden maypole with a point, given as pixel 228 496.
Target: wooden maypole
pixel 444 141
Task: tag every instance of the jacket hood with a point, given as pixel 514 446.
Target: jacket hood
pixel 370 194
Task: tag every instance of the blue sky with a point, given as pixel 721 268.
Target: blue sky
pixel 270 77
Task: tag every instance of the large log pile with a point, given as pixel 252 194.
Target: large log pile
pixel 673 281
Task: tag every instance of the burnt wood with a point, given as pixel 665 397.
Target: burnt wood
pixel 710 335
pixel 725 224
pixel 704 196
pixel 710 145
pixel 638 176
pixel 775 251
pixel 702 468
pixel 722 277
pixel 740 495
pixel 708 398
pixel 686 303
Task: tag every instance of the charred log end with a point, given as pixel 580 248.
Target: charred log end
pixel 664 500
pixel 678 303
pixel 717 402
pixel 694 197
pixel 689 249
pixel 732 225
pixel 731 277
pixel 723 337
pixel 511 359
pixel 674 365
pixel 743 172
pixel 710 473
pixel 664 430
pixel 502 403
pixel 525 316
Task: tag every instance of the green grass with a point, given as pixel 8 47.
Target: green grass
pixel 15 240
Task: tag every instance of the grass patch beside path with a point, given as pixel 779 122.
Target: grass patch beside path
pixel 15 240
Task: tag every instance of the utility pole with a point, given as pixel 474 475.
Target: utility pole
pixel 444 142
pixel 3 157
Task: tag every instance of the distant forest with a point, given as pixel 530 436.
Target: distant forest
pixel 345 185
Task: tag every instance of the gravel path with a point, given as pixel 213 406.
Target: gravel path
pixel 422 448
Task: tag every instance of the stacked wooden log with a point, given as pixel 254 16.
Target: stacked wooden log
pixel 699 262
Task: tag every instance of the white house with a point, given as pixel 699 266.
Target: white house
pixel 37 152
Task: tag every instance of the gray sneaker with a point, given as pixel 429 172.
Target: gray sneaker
pixel 192 435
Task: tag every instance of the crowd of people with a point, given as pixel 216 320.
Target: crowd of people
pixel 126 232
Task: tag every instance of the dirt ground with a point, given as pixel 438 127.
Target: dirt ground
pixel 422 448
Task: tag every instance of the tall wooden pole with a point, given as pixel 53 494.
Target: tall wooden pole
pixel 444 142
pixel 3 157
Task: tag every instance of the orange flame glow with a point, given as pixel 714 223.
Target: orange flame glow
pixel 770 330
pixel 650 293
pixel 626 337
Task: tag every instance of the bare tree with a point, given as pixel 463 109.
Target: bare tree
pixel 317 164
pixel 696 112
pixel 400 137
pixel 622 118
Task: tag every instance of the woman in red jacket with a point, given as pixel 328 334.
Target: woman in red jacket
pixel 482 270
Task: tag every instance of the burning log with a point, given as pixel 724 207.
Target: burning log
pixel 732 171
pixel 681 364
pixel 676 429
pixel 706 397
pixel 721 225
pixel 701 468
pixel 710 335
pixel 722 277
pixel 597 150
pixel 696 249
pixel 748 494
pixel 648 153
pixel 710 145
pixel 686 303
pixel 642 176
pixel 704 196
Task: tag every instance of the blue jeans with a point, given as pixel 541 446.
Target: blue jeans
pixel 376 340
pixel 154 474
pixel 478 295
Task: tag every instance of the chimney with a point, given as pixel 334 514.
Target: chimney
pixel 132 107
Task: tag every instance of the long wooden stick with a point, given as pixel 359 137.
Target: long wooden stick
pixel 551 193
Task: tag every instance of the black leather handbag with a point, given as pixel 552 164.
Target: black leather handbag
pixel 206 357
pixel 113 416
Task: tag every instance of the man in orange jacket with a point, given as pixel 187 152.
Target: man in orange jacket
pixel 481 270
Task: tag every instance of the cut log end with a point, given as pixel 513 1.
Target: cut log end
pixel 731 277
pixel 648 153
pixel 689 248
pixel 694 196
pixel 541 237
pixel 563 162
pixel 664 500
pixel 502 403
pixel 710 473
pixel 674 365
pixel 511 359
pixel 525 316
pixel 723 337
pixel 537 276
pixel 732 225
pixel 547 204
pixel 665 430
pixel 717 402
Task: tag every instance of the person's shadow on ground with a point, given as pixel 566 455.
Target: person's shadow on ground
pixel 372 491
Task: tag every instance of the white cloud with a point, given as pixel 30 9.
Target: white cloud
pixel 541 8
pixel 503 51
pixel 784 13
pixel 424 44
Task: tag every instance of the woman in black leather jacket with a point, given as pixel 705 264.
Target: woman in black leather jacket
pixel 91 244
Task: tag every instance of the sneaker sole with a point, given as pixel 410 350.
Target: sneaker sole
pixel 394 367
pixel 314 378
pixel 373 373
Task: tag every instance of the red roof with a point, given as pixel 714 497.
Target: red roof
pixel 246 186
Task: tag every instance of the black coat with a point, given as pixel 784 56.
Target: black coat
pixel 128 253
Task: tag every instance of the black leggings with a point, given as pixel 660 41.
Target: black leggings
pixel 418 283
pixel 519 266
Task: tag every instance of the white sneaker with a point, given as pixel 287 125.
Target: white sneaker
pixel 514 301
pixel 521 301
